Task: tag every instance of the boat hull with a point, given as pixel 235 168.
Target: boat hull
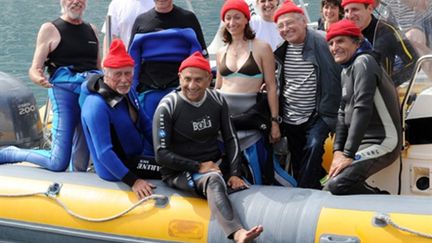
pixel 287 214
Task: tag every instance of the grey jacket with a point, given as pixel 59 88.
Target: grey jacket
pixel 327 72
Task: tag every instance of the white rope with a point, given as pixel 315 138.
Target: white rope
pixel 70 212
pixel 23 194
pixel 386 219
pixel 54 189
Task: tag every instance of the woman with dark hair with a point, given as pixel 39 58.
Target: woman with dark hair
pixel 331 12
pixel 244 64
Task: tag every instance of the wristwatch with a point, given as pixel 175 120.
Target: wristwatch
pixel 277 119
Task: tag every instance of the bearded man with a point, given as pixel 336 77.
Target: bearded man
pixel 68 48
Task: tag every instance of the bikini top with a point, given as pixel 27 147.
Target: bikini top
pixel 248 69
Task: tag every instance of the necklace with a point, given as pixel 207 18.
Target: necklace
pixel 237 50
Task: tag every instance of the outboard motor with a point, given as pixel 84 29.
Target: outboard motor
pixel 20 124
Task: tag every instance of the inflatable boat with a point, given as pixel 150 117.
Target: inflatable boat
pixel 37 205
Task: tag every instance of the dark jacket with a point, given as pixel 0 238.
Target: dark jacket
pixel 327 72
pixel 396 54
pixel 369 111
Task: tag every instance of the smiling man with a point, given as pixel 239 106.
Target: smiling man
pixel 368 131
pixel 186 127
pixel 113 121
pixel 263 24
pixel 396 53
pixel 68 48
pixel 309 93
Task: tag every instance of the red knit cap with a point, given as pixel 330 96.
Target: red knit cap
pixel 117 56
pixel 195 60
pixel 344 27
pixel 239 5
pixel 346 2
pixel 287 7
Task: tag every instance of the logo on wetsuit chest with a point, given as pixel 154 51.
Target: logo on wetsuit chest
pixel 202 124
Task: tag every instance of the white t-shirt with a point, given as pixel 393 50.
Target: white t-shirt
pixel 123 14
pixel 266 31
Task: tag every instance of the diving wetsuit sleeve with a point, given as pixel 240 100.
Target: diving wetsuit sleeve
pixel 365 82
pixel 162 140
pixel 390 42
pixel 129 179
pixel 341 129
pixel 97 131
pixel 231 144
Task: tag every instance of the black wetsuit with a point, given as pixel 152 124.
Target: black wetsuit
pixel 184 135
pixel 396 54
pixel 78 47
pixel 152 21
pixel 369 126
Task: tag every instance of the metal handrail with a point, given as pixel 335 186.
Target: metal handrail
pixel 108 34
pixel 404 109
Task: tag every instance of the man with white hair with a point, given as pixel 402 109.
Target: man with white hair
pixel 68 47
pixel 309 93
pixel 113 122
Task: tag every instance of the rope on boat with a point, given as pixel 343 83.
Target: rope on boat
pixel 54 189
pixel 386 220
pixel 23 194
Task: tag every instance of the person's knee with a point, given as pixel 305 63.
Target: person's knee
pixel 57 167
pixel 58 163
pixel 215 183
pixel 313 143
pixel 337 186
pixel 316 141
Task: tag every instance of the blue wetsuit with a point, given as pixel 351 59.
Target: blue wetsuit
pixel 112 135
pixel 69 65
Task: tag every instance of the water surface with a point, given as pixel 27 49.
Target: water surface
pixel 20 21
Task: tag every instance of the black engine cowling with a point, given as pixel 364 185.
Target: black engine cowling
pixel 20 124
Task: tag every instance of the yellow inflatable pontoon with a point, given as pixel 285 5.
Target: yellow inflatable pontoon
pixel 37 205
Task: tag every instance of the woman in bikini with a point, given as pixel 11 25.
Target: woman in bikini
pixel 244 65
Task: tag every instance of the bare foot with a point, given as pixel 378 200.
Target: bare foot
pixel 245 236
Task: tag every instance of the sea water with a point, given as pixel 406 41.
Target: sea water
pixel 20 21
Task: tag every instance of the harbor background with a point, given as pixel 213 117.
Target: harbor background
pixel 20 21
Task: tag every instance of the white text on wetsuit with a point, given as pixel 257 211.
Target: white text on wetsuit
pixel 202 124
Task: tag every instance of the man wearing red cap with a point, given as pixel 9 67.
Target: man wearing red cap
pixel 396 54
pixel 113 121
pixel 368 132
pixel 309 93
pixel 186 126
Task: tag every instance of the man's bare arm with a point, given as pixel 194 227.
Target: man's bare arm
pixel 47 40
